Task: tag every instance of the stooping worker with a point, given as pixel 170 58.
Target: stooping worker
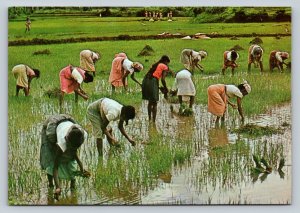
pixel 191 59
pixel 255 56
pixel 185 86
pixel 61 138
pixel 88 58
pixel 219 95
pixel 121 68
pixel 277 60
pixel 70 81
pixel 24 74
pixel 150 85
pixel 230 58
pixel 106 110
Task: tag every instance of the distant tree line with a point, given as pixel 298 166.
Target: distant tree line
pixel 198 14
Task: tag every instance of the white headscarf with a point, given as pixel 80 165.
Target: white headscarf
pixel 203 54
pixel 138 66
pixel 247 86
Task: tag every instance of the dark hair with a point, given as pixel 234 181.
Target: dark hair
pixel 88 77
pixel 234 55
pixel 75 137
pixel 128 112
pixel 242 89
pixel 164 59
pixel 36 72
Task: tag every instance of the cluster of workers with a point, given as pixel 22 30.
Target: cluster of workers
pixel 62 135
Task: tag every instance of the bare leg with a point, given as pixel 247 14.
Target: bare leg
pixel 50 180
pixel 76 98
pixel 149 110
pixel 192 100
pixel 73 184
pixel 113 89
pixel 261 66
pixel 223 71
pixel 180 99
pixel 249 67
pixel 154 111
pixel 99 146
pixel 217 121
pixel 18 89
pixel 232 71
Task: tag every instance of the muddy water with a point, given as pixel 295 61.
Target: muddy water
pixel 185 188
pixel 199 181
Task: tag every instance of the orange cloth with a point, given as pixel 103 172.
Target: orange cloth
pixel 67 83
pixel 217 99
pixel 116 73
pixel 159 70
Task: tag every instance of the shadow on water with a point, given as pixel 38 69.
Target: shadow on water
pixel 179 160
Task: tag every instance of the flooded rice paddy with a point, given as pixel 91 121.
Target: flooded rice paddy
pixel 180 160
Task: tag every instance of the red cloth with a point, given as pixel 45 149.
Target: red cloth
pixel 159 70
pixel 67 83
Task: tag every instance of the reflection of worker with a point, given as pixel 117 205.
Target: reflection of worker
pixel 217 137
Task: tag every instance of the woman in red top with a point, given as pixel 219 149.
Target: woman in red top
pixel 150 85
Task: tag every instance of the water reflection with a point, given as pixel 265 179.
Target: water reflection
pixel 218 137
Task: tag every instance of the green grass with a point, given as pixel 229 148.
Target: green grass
pixel 76 27
pixel 143 164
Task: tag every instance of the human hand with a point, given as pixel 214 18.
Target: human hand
pixel 86 173
pixel 234 106
pixel 242 119
pixel 57 193
pixel 85 97
pixel 133 143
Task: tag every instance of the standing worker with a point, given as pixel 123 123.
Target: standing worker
pixel 150 85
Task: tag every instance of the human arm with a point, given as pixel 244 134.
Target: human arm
pixel 84 172
pixel 58 153
pixel 80 92
pixel 134 79
pixel 122 130
pixel 124 76
pixel 163 79
pixel 240 109
pixel 234 106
